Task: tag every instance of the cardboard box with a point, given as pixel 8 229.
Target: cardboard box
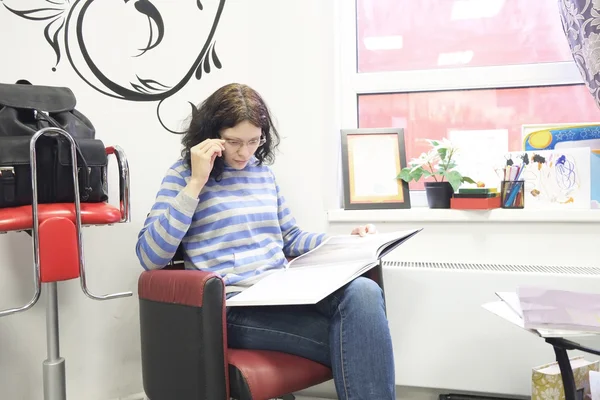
pixel 546 380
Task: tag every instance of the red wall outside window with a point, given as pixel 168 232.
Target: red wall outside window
pixel 478 32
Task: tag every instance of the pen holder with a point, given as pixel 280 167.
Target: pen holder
pixel 513 194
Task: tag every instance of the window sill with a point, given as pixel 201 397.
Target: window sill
pixel 424 214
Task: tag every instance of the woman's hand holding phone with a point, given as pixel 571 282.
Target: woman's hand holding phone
pixel 202 159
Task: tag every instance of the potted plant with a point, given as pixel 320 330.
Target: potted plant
pixel 440 163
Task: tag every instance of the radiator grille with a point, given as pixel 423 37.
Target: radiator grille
pixel 541 269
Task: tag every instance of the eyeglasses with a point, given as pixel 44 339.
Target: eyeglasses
pixel 237 145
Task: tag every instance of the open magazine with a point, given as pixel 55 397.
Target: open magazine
pixel 313 276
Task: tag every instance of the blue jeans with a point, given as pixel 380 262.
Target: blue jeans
pixel 347 331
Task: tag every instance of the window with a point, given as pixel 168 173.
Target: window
pixel 434 114
pixel 403 64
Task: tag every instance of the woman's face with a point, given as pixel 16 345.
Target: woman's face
pixel 241 142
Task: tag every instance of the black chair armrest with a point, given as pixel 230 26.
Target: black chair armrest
pixel 183 335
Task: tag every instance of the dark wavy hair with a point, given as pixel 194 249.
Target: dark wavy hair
pixel 225 108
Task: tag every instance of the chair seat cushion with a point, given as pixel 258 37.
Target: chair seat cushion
pixel 20 218
pixel 262 375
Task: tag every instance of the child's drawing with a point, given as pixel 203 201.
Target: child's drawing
pixel 555 178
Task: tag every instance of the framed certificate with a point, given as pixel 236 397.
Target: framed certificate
pixel 371 161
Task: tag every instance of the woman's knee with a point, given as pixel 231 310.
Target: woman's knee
pixel 364 291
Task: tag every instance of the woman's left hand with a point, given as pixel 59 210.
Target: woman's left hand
pixel 364 230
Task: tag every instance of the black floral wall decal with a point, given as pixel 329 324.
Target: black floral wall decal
pixel 64 32
pixel 54 17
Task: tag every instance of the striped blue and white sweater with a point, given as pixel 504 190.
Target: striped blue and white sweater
pixel 239 227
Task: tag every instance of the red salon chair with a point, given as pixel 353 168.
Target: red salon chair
pixel 184 344
pixel 58 250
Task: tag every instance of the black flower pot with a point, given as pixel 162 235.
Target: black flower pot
pixel 438 194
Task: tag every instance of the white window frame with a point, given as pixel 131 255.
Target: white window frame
pixel 352 84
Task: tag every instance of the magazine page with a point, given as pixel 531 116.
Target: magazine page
pixel 388 246
pixel 343 249
pixel 318 273
pixel 298 285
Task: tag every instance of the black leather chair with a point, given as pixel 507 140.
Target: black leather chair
pixel 184 344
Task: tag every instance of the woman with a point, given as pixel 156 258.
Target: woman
pixel 225 206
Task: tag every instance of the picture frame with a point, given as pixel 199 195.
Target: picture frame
pixel 370 182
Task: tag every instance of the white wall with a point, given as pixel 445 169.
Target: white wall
pixel 442 337
pixel 283 49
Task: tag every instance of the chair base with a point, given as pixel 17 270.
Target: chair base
pixel 286 397
pixel 54 379
pixel 55 387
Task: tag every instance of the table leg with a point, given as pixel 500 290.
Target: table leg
pixel 567 373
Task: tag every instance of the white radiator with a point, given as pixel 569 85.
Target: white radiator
pixel 444 339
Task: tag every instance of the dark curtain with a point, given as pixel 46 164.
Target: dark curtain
pixel 581 24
